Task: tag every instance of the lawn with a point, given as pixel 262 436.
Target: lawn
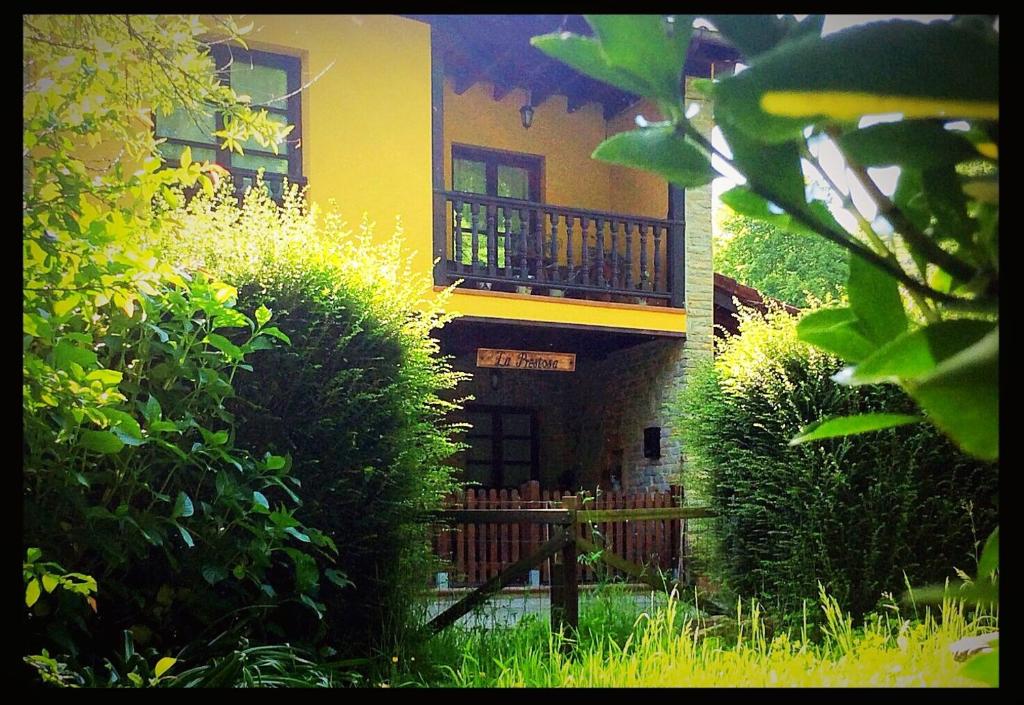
pixel 673 644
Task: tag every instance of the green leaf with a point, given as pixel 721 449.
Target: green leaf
pixel 916 353
pixel 838 331
pixel 123 422
pixel 983 667
pixel 186 159
pixel 160 332
pixel 182 506
pixel 751 34
pixel 640 45
pixel 920 144
pixel 33 554
pixel 108 378
pixel 774 170
pixel 274 462
pixel 260 499
pixel 164 664
pixel 586 56
pixel 231 318
pixel 50 582
pixel 274 332
pixel 338 578
pixel 32 592
pixel 306 573
pixel 66 304
pixel 851 425
pixel 961 397
pixel 152 411
pixel 213 574
pixel 661 150
pixel 64 354
pixel 263 315
pixel 920 70
pixel 297 534
pixel 230 350
pixel 746 202
pixel 101 442
pixel 989 561
pixel 875 298
pixel 317 607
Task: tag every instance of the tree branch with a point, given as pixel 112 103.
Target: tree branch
pixel 917 239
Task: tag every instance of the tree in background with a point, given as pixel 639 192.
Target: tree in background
pixel 787 266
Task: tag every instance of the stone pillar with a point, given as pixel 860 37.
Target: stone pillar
pixel 700 278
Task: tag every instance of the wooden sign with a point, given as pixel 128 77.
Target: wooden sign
pixel 526 360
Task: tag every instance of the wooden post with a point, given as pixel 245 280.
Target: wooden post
pixel 677 245
pixel 565 599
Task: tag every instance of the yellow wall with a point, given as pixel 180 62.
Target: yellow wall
pixel 565 140
pixel 366 121
pixel 366 143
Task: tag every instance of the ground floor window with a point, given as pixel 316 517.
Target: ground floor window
pixel 503 448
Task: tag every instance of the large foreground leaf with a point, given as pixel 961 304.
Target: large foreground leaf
pixel 918 352
pixel 962 397
pixel 930 70
pixel 851 425
pixel 662 150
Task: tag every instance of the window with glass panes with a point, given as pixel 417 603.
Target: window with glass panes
pixel 502 446
pixel 272 82
pixel 494 173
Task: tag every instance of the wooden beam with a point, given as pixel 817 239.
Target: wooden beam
pixel 480 595
pixel 639 572
pixel 464 82
pixel 575 102
pixel 556 79
pixel 507 516
pixel 646 514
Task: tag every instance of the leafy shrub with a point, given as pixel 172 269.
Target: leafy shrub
pixel 854 513
pixel 133 479
pixel 354 400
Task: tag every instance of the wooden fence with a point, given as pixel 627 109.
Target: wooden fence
pixel 476 553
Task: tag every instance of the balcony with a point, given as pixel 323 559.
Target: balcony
pixel 538 249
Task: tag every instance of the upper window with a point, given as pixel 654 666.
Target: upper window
pixel 272 82
pixel 490 172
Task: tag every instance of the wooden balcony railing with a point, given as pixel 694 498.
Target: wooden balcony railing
pixel 536 248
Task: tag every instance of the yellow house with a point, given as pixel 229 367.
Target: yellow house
pixel 481 145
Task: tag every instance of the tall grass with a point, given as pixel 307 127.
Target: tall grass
pixel 669 646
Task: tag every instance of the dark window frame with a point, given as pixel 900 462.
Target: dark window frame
pixel 224 56
pixel 497 436
pixel 492 158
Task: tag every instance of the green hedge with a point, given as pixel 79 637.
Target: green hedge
pixel 353 401
pixel 853 513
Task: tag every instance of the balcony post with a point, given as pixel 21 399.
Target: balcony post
pixel 677 246
pixel 437 156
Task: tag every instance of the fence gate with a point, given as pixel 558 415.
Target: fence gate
pixel 566 530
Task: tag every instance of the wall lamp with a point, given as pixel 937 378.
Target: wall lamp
pixel 526 112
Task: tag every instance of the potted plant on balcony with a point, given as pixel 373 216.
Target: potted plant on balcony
pixel 642 286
